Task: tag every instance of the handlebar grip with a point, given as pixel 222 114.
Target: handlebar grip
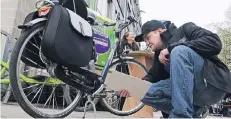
pixel 132 19
pixel 112 24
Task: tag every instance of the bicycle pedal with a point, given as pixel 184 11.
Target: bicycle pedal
pixel 100 95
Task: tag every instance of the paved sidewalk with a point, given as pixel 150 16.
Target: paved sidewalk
pixel 14 111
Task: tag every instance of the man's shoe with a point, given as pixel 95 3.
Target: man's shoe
pixel 201 112
pixel 205 112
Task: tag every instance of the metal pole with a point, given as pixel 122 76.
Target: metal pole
pixel 7 45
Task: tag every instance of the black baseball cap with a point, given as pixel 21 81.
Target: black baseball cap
pixel 148 27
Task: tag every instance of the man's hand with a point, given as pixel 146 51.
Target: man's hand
pixel 123 93
pixel 163 56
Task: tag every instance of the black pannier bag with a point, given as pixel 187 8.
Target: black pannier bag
pixel 31 53
pixel 67 39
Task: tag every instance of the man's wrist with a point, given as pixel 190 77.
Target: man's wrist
pixel 169 48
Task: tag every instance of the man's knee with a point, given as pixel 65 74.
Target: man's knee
pixel 153 96
pixel 181 49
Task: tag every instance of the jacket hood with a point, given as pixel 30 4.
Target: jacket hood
pixel 167 35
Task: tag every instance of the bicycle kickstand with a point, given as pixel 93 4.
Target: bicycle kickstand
pixel 89 101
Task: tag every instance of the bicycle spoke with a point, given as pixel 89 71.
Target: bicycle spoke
pixel 32 61
pixel 72 95
pixel 116 103
pixel 49 97
pixel 32 92
pixel 39 96
pixel 30 86
pixel 34 45
pixel 31 51
pixel 63 101
pixel 42 90
pixel 118 100
pixel 49 103
pixel 35 41
pixel 37 93
pixel 40 35
pixel 56 102
pixel 53 100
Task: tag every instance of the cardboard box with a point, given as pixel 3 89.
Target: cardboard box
pixel 136 87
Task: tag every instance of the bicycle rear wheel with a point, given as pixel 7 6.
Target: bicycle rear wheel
pixel 38 94
pixel 113 102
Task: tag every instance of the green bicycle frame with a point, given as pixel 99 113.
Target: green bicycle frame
pixel 50 81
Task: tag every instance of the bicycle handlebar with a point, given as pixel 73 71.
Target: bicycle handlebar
pixel 107 24
pixel 121 26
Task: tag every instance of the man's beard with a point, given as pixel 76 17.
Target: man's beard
pixel 152 47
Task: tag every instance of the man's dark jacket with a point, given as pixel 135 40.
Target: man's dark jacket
pixel 202 41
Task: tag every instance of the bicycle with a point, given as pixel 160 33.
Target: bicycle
pixel 222 108
pixel 5 37
pixel 5 81
pixel 30 82
pixel 34 29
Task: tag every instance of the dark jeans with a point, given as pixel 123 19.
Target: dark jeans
pixel 186 90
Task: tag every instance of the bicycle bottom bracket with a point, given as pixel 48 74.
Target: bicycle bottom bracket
pixel 80 79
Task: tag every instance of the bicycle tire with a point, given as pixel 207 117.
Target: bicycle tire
pixel 14 79
pixel 123 113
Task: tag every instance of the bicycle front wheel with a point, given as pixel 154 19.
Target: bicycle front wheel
pixel 113 102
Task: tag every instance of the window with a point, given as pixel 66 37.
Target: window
pixel 110 9
pixel 128 11
pixel 118 16
pixel 130 1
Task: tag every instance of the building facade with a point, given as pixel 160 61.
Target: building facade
pixel 13 13
pixel 118 10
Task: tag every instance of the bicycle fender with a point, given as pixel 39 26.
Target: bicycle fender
pixel 32 23
pixel 124 58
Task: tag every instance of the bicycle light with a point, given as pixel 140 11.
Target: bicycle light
pixel 44 10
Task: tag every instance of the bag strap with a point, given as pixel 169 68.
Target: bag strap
pixel 64 1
